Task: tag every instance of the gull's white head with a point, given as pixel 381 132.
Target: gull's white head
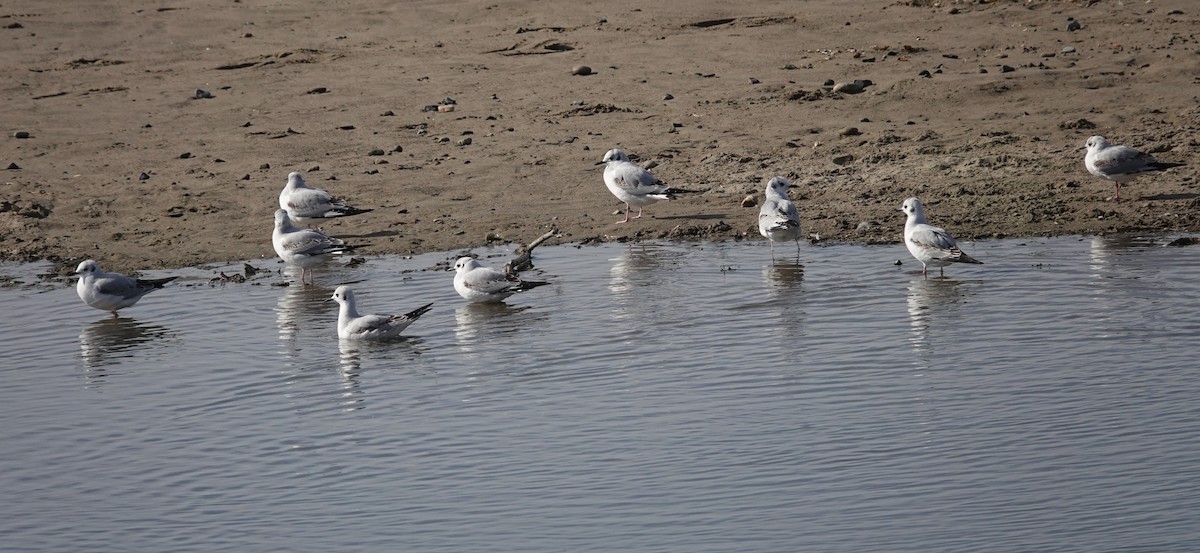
pixel 87 268
pixel 913 208
pixel 281 219
pixel 296 180
pixel 779 185
pixel 614 155
pixel 1096 143
pixel 465 264
pixel 343 295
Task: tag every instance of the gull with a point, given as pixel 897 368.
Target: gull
pixel 352 326
pixel 778 220
pixel 112 291
pixel 481 284
pixel 304 248
pixel 310 205
pixel 1119 164
pixel 632 184
pixel 931 245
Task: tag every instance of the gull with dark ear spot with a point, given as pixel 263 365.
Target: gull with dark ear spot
pixel 632 184
pixel 1119 164
pixel 932 246
pixel 480 284
pixel 778 220
pixel 112 291
pixel 312 205
pixel 353 326
pixel 304 248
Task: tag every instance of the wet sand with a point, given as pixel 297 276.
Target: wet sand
pixel 980 109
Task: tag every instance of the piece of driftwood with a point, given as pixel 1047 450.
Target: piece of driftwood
pixel 524 259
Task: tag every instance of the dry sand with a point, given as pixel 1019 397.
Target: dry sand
pixel 720 95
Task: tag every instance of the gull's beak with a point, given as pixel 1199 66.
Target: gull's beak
pixel 601 162
pixel 327 300
pixel 793 186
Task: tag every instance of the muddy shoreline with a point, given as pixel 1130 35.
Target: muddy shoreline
pixel 980 109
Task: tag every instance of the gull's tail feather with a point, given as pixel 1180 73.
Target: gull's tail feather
pixel 961 257
pixel 345 211
pixel 155 282
pixel 1164 165
pixel 416 313
pixel 529 285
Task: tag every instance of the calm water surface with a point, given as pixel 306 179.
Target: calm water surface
pixel 659 397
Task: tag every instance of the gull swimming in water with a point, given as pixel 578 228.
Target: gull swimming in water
pixel 112 291
pixel 481 284
pixel 352 326
pixel 632 184
pixel 1119 164
pixel 932 246
pixel 311 205
pixel 304 248
pixel 778 220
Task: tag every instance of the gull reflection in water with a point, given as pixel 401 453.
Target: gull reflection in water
pixel 297 307
pixel 352 354
pixel 638 264
pixel 1106 252
pixel 109 340
pixel 784 274
pixel 930 301
pixel 480 322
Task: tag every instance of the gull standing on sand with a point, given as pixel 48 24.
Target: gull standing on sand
pixel 304 248
pixel 632 184
pixel 311 205
pixel 352 326
pixel 112 291
pixel 1119 164
pixel 778 220
pixel 932 246
pixel 481 284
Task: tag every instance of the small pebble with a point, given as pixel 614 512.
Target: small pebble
pixel 464 141
pixel 829 82
pixel 982 70
pixel 318 90
pixel 13 166
pixel 143 176
pixel 1006 69
pixel 668 97
pixel 898 263
pixel 750 201
pixel 1068 50
pixel 581 70
pixel 863 226
pixel 849 131
pixel 388 113
pixel 202 94
pixel 447 101
pixel 1073 26
pixel 843 160
pixel 445 108
pixel 753 80
pixel 185 155
pixel 398 149
pixel 925 73
pixel 430 107
pixel 21 134
pixel 376 152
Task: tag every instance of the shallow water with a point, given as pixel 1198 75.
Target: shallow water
pixel 660 397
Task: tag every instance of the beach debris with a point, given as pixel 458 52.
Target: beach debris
pixel 202 94
pixel 852 87
pixel 581 70
pixel 21 134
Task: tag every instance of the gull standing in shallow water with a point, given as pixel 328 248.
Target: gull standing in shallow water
pixel 312 205
pixel 932 246
pixel 1119 164
pixel 112 291
pixel 481 284
pixel 778 220
pixel 352 326
pixel 632 184
pixel 304 248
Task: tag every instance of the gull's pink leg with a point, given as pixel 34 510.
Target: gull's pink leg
pixel 626 215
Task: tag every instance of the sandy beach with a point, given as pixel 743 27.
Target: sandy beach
pixel 157 135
